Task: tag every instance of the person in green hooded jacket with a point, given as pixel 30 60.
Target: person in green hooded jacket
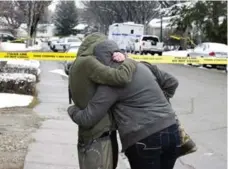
pixel 97 146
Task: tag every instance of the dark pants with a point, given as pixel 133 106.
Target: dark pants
pixel 115 149
pixel 158 151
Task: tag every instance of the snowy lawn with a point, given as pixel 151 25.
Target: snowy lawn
pixel 14 100
pixel 6 46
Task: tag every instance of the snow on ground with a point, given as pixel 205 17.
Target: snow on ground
pixel 17 77
pixel 59 71
pixel 177 53
pixel 6 46
pixel 24 63
pixel 38 72
pixel 14 100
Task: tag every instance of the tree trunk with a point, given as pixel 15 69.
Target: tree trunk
pixel 30 25
pixel 183 42
pixel 199 37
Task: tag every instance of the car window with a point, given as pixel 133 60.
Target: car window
pixel 6 37
pixel 204 47
pixel 62 40
pixel 198 47
pixel 73 40
pixel 150 38
pixel 217 46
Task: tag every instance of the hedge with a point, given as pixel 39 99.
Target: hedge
pixel 19 83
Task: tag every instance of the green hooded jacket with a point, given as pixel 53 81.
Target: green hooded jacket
pixel 85 72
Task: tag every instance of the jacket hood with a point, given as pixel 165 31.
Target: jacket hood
pixel 89 43
pixel 104 51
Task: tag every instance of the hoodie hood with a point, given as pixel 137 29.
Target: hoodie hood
pixel 104 51
pixel 88 45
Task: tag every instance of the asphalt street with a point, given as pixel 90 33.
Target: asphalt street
pixel 200 103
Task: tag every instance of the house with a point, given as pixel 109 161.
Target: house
pixel 43 30
pixel 154 26
pixel 80 28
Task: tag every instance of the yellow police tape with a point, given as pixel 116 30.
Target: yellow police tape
pixel 152 59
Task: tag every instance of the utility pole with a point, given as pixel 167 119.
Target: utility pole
pixel 161 27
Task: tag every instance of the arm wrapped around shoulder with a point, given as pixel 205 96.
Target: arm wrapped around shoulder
pixel 106 75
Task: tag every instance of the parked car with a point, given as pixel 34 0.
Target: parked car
pixel 64 43
pixel 71 49
pixel 148 44
pixel 52 43
pixel 210 49
pixel 52 39
pixel 6 37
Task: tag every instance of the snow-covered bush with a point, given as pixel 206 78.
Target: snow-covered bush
pixel 20 83
pixel 21 66
pixel 19 76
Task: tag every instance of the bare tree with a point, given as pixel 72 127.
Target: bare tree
pixel 11 16
pixel 33 11
pixel 167 4
pixel 104 13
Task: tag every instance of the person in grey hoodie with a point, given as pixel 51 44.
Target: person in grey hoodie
pixel 144 117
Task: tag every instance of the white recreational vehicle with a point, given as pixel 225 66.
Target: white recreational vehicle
pixel 130 37
pixel 125 34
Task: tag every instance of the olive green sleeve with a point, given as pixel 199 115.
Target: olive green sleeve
pixel 102 74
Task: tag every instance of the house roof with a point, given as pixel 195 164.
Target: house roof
pixel 80 26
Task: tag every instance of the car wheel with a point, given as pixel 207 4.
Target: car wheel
pixel 152 53
pixel 54 50
pixel 160 53
pixel 188 56
pixel 214 66
pixel 203 65
pixel 141 53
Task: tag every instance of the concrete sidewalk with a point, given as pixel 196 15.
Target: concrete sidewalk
pixel 205 120
pixel 55 145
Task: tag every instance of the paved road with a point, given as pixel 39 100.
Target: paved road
pixel 200 103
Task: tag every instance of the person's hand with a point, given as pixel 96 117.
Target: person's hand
pixel 118 57
pixel 72 110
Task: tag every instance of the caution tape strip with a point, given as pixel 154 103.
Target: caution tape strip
pixel 152 59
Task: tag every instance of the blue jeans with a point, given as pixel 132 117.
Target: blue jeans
pixel 158 151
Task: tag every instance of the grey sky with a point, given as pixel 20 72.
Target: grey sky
pixel 55 2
